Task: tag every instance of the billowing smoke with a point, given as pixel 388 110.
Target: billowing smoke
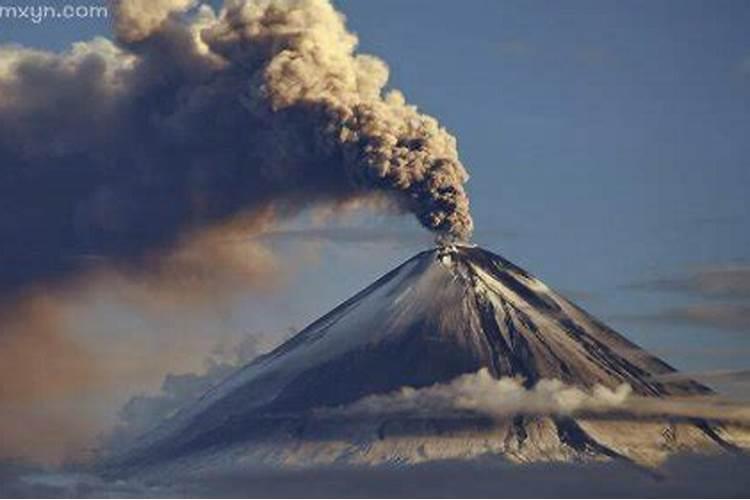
pixel 137 19
pixel 142 164
pixel 190 119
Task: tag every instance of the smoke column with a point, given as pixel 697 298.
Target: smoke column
pixel 192 118
pixel 139 165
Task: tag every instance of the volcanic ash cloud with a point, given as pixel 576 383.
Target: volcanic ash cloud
pixel 143 162
pixel 191 118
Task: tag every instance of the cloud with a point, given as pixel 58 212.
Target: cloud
pixel 730 317
pixel 143 412
pixel 681 477
pixel 140 169
pixel 733 384
pixel 480 392
pixel 135 20
pixel 490 476
pixel 68 354
pixel 485 394
pixel 40 367
pixel 186 123
pixel 723 281
pixel 686 476
pixel 348 235
pixel 70 359
pixel 718 375
pixel 729 283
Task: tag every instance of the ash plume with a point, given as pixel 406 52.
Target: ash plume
pixel 193 118
pixel 143 164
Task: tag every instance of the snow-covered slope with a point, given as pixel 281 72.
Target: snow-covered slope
pixel 444 313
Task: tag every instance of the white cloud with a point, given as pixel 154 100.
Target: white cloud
pixel 480 392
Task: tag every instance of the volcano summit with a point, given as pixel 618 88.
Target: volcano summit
pixel 443 315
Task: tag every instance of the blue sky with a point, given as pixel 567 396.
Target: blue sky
pixel 606 141
pixel 607 144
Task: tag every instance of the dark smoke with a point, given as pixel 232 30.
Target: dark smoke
pixel 116 152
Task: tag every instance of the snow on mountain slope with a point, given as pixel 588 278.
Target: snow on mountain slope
pixel 444 313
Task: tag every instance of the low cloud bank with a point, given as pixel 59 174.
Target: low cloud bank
pixel 480 392
pixel 682 477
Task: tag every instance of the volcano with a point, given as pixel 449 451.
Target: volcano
pixel 444 313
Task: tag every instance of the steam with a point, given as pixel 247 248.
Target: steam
pixel 480 392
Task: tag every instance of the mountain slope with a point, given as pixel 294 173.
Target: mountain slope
pixel 444 313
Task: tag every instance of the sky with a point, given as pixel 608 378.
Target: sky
pixel 608 154
pixel 606 143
